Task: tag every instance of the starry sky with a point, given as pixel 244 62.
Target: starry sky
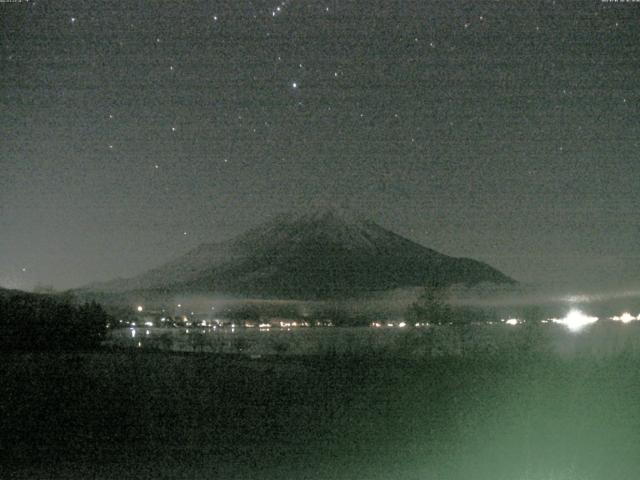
pixel 506 131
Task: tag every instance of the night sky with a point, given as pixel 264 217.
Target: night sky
pixel 131 132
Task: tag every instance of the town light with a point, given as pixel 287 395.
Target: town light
pixel 575 320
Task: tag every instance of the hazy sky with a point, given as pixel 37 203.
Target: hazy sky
pixel 131 132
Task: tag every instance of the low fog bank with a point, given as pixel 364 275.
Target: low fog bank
pixel 535 302
pixel 483 302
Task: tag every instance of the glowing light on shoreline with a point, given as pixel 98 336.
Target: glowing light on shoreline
pixel 512 321
pixel 575 320
pixel 626 317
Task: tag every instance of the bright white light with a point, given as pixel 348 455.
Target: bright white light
pixel 148 324
pixel 626 317
pixel 133 333
pixel 402 324
pixel 575 320
pixel 512 321
pixel 139 308
pixel 294 84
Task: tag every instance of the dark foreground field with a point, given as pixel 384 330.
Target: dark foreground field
pixel 159 415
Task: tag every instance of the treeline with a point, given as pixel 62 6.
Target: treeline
pixel 34 322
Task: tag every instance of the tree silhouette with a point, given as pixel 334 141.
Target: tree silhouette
pixel 46 322
pixel 431 306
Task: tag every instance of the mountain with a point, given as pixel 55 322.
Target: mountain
pixel 322 254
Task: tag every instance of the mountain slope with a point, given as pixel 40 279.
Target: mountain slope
pixel 317 255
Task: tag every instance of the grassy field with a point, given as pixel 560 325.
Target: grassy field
pixel 514 413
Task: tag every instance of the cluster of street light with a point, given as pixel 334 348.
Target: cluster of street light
pixel 575 321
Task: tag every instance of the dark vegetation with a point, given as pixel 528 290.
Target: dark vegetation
pixel 38 322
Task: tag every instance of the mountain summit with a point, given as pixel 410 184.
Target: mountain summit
pixel 319 254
